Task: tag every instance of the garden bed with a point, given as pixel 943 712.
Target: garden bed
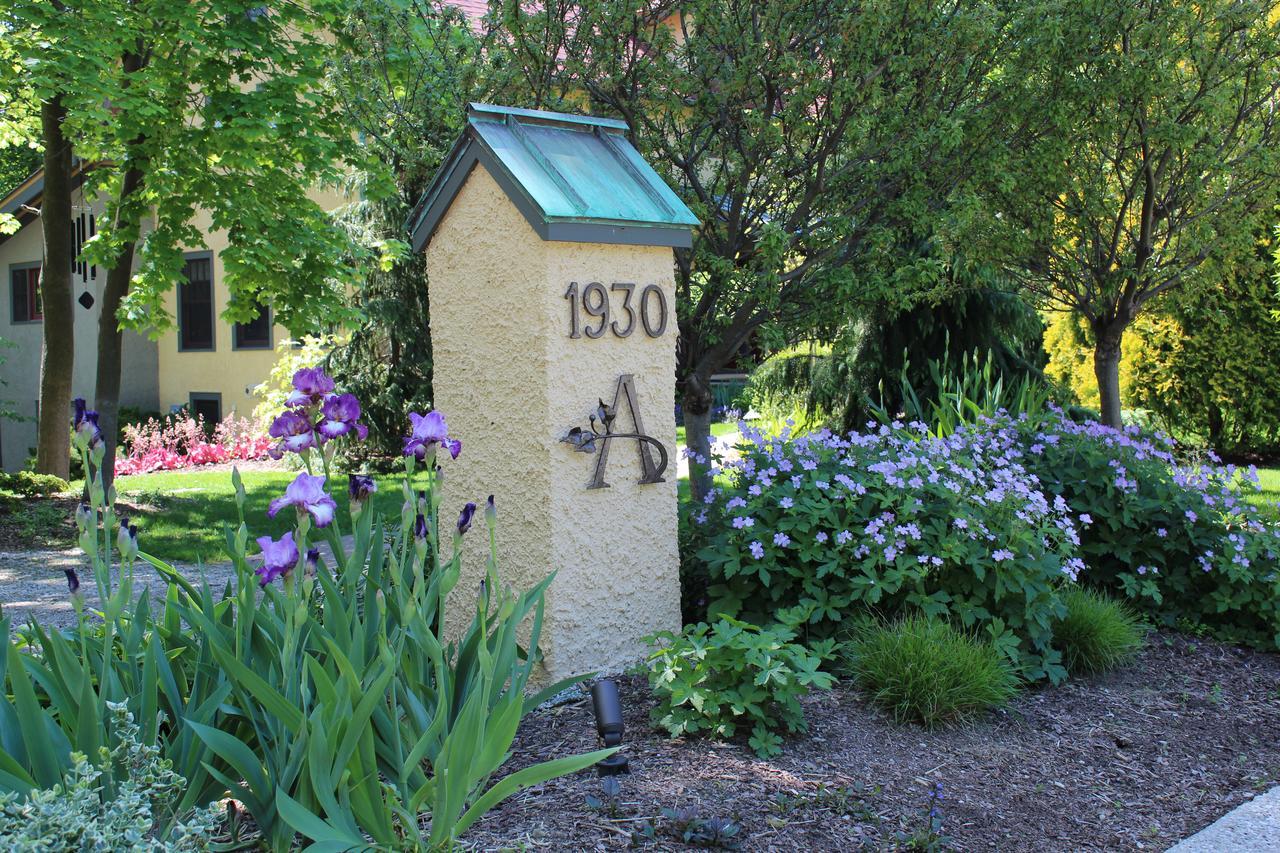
pixel 1135 760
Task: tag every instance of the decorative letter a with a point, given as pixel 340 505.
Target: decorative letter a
pixel 652 472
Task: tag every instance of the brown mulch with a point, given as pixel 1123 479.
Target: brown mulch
pixel 1135 760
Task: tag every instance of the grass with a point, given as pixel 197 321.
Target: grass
pixel 1269 488
pixel 924 670
pixel 718 430
pixel 1098 633
pixel 182 513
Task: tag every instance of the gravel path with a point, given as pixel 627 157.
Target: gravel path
pixel 33 584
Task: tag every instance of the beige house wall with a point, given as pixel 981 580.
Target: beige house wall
pixel 510 382
pixel 229 372
pixel 20 370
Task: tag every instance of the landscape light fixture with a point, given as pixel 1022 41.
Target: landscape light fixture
pixel 608 710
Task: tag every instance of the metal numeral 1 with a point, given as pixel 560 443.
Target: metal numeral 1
pixel 572 295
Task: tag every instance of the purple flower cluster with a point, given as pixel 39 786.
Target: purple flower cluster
pixel 314 414
pixel 428 432
pixel 979 473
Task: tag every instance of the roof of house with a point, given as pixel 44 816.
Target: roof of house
pixel 575 179
pixel 23 201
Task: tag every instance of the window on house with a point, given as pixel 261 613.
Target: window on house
pixel 207 407
pixel 195 304
pixel 255 334
pixel 24 281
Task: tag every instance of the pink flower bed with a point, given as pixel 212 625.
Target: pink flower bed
pixel 181 441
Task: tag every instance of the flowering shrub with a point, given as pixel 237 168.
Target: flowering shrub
pixel 1179 539
pixel 182 441
pixel 984 527
pixel 817 527
pixel 714 678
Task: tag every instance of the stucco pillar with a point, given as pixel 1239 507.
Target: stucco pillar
pixel 516 364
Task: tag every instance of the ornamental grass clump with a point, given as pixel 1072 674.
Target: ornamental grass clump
pixel 821 527
pixel 922 669
pixel 1098 633
pixel 317 689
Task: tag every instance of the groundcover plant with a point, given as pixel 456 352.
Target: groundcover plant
pixel 318 690
pixel 985 526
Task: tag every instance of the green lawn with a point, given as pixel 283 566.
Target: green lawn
pixel 718 430
pixel 183 512
pixel 1270 487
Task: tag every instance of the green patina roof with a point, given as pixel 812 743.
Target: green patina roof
pixel 575 178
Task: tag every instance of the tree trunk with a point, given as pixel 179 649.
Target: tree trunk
pixel 1106 367
pixel 696 403
pixel 57 354
pixel 111 341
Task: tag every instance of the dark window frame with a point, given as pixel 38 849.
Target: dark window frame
pixel 32 293
pixel 194 397
pixel 236 345
pixel 213 316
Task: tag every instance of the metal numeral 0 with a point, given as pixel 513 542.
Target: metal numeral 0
pixel 651 331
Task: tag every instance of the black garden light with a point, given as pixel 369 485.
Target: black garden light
pixel 608 710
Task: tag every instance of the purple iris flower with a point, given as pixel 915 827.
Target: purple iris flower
pixel 428 431
pixel 295 432
pixel 85 423
pixel 464 518
pixel 341 416
pixel 490 511
pixel 313 561
pixel 308 495
pixel 127 538
pixel 73 581
pixel 278 558
pixel 310 385
pixel 360 487
pixel 420 527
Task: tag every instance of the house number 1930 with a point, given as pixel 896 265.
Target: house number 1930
pixel 649 311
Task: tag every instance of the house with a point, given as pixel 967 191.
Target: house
pixel 204 363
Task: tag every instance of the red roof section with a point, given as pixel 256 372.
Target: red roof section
pixel 473 9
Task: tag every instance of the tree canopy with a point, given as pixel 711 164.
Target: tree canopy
pixel 818 142
pixel 1161 150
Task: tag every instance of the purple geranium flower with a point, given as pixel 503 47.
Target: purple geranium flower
pixel 295 432
pixel 464 518
pixel 308 495
pixel 278 558
pixel 428 431
pixel 341 416
pixel 310 385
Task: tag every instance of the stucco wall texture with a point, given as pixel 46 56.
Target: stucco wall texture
pixel 510 381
